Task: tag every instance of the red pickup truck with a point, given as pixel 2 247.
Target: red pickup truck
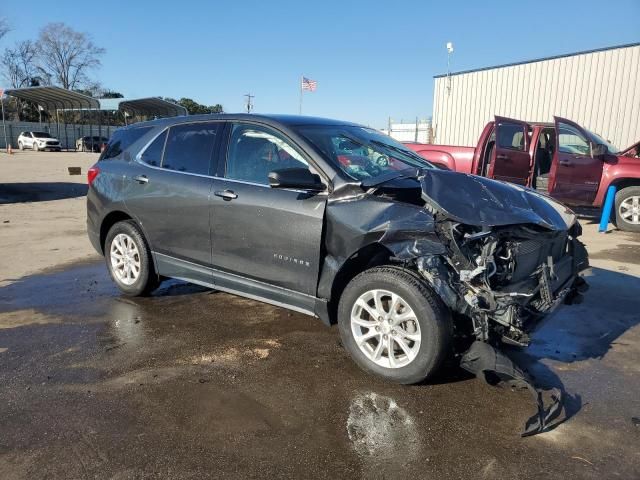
pixel 561 159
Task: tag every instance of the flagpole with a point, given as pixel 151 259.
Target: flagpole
pixel 300 106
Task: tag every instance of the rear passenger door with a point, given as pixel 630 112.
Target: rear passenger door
pixel 267 235
pixel 511 161
pixel 169 192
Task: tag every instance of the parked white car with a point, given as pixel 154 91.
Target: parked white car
pixel 38 141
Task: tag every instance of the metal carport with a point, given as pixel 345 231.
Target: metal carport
pixel 152 106
pixel 53 100
pixel 56 99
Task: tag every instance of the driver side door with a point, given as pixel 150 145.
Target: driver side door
pixel 511 161
pixel 267 239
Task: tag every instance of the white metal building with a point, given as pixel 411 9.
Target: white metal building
pixel 599 89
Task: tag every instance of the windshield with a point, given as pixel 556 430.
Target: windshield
pixel 612 148
pixel 363 153
pixel 41 135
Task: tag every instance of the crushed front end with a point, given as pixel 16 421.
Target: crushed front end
pixel 507 278
pixel 513 254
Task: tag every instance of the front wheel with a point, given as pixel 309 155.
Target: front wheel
pixel 35 147
pixel 20 146
pixel 129 259
pixel 393 325
pixel 628 209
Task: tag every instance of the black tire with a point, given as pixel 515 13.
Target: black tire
pixel 34 147
pixel 433 317
pixel 147 279
pixel 20 146
pixel 621 196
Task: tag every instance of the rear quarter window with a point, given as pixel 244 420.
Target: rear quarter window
pixel 121 140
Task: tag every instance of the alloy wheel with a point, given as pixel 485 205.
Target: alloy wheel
pixel 385 328
pixel 125 259
pixel 629 210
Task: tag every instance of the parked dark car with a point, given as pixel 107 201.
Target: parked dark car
pixel 91 143
pixel 337 221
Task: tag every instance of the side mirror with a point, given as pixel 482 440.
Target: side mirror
pixel 298 178
pixel 598 150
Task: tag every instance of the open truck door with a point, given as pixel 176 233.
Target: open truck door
pixel 510 160
pixel 576 169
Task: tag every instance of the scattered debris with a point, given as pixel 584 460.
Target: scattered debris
pixel 494 367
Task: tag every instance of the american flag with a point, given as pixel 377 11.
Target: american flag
pixel 308 84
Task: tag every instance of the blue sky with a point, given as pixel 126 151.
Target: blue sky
pixel 372 59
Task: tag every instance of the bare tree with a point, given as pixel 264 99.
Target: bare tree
pixel 4 27
pixel 19 67
pixel 65 56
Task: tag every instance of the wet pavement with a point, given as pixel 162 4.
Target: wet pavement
pixel 191 383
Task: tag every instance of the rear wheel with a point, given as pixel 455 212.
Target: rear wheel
pixel 628 209
pixel 129 259
pixel 393 325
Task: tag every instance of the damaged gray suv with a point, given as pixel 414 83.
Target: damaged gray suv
pixel 338 221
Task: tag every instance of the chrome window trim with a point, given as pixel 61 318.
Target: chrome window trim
pixel 269 187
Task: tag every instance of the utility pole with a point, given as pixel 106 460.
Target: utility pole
pixel 249 103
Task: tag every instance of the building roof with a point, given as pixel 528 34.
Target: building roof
pixel 543 59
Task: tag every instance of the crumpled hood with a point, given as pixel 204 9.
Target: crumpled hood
pixel 480 201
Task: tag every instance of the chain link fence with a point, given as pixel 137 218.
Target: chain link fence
pixel 67 134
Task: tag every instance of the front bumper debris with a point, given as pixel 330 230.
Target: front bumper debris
pixel 494 367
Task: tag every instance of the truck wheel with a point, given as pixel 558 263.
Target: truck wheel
pixel 129 259
pixel 393 325
pixel 628 209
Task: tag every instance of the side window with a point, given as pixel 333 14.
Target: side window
pixel 153 153
pixel 123 139
pixel 189 147
pixel 255 151
pixel 571 140
pixel 511 135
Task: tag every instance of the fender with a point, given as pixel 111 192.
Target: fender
pixel 616 171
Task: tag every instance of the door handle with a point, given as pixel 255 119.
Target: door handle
pixel 141 179
pixel 226 194
pixel 566 163
pixel 502 157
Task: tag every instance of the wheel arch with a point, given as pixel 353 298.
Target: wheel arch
pixel 622 183
pixel 118 216
pixel 369 256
